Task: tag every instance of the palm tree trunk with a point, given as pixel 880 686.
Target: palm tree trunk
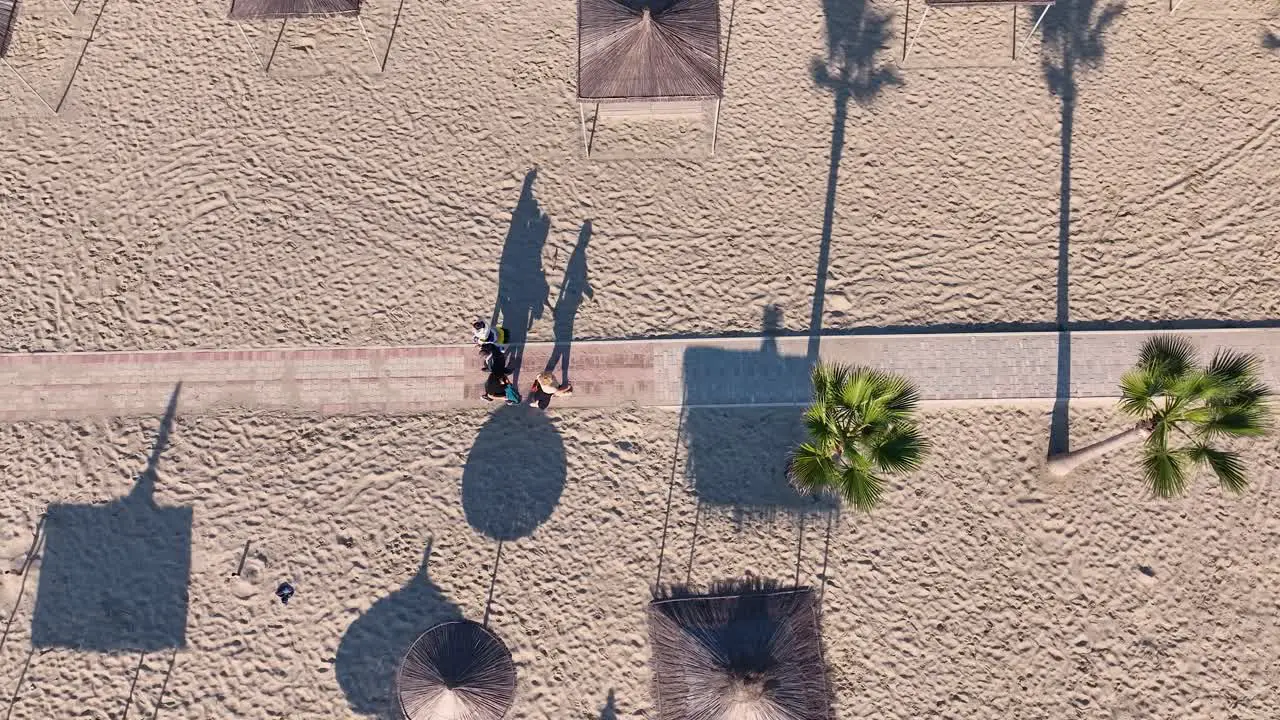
pixel 1061 465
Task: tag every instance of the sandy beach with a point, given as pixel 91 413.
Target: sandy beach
pixel 183 198
pixel 980 589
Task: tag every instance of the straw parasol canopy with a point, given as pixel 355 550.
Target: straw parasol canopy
pixel 456 671
pixel 645 49
pixel 751 656
pixel 265 9
pixel 8 14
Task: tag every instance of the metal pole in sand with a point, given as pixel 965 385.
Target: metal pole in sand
pixel 80 59
pixel 280 34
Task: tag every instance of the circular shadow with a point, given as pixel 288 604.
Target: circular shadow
pixel 514 474
pixel 374 644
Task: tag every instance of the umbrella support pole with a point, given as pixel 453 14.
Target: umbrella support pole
pixel 493 582
pixel 128 701
pixel 22 676
pixel 715 125
pixel 671 489
pixel 36 542
pixel 28 86
pixel 80 59
pixel 267 68
pixel 693 544
pixel 392 39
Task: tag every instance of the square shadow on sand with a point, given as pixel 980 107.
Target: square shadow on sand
pixel 737 454
pixel 114 577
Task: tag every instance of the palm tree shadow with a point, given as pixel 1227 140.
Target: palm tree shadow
pixel 522 282
pixel 1072 39
pixel 374 644
pixel 856 33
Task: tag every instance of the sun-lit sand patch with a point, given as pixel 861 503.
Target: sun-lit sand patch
pixel 980 583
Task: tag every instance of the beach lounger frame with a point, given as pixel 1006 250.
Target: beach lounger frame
pixel 285 10
pixel 9 19
pixel 909 38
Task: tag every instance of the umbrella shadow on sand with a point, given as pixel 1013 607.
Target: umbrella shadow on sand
pixel 514 474
pixel 375 643
pixel 114 576
pixel 737 454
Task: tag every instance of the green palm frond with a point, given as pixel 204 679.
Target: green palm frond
pixel 1186 407
pixel 860 427
pixel 1226 465
pixel 1195 385
pixel 1234 422
pixel 827 379
pixel 1235 368
pixel 900 450
pixel 860 388
pixel 860 486
pixel 1138 391
pixel 900 396
pixel 823 433
pixel 1167 356
pixel 1164 470
pixel 812 471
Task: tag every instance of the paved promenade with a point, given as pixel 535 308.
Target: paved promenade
pixel 979 368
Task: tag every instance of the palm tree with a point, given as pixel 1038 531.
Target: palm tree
pixel 861 428
pixel 1181 408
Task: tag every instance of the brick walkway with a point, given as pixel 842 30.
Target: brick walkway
pixel 753 371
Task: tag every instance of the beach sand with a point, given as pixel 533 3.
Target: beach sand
pixel 183 198
pixel 980 589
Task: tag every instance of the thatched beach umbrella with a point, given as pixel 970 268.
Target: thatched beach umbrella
pixel 8 14
pixel 456 671
pixel 261 9
pixel 750 656
pixel 637 49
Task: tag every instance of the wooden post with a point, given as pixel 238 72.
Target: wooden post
pixel 368 42
pixel 80 59
pixel 715 125
pixel 923 16
pixel 267 68
pixel 392 39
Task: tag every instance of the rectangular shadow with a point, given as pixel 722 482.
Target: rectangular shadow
pixel 114 577
pixel 737 456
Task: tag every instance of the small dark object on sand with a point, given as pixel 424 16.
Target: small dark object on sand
pixel 1147 570
pixel 284 592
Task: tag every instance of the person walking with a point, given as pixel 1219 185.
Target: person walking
pixel 544 388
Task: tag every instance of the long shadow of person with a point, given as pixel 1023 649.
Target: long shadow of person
pixel 610 709
pixel 573 291
pixel 522 283
pixel 374 644
pixel 114 576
